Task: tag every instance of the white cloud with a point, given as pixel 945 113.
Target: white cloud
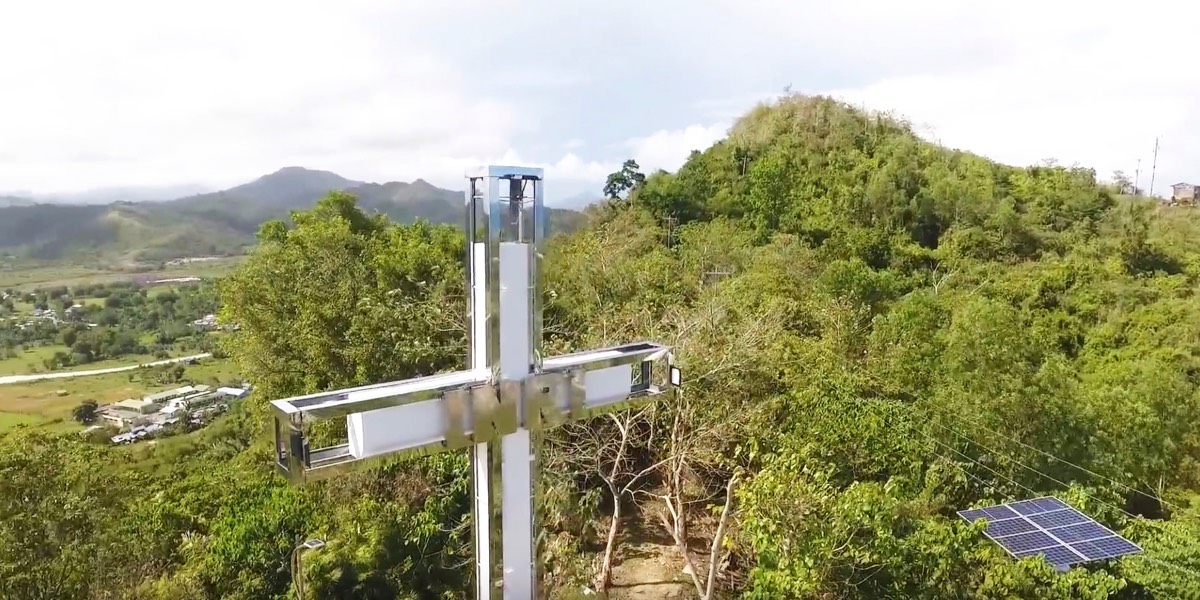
pixel 570 175
pixel 727 110
pixel 668 150
pixel 151 93
pixel 1095 91
pixel 142 92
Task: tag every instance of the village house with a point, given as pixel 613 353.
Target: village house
pixel 205 323
pixel 121 417
pixel 1185 193
pixel 147 415
pixel 135 412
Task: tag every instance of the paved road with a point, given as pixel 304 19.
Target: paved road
pixel 68 374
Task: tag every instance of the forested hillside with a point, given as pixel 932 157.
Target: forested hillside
pixel 876 332
pixel 216 224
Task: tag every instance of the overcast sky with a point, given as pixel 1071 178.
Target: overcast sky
pixel 218 92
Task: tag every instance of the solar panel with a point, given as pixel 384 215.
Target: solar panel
pixel 1009 527
pixel 1051 528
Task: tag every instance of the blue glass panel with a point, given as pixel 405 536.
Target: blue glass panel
pixel 973 514
pixel 1059 556
pixel 1058 518
pixel 1043 526
pixel 997 529
pixel 1000 512
pixel 1103 548
pixel 1038 505
pixel 1081 532
pixel 1034 540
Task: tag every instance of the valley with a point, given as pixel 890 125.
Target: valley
pixel 70 337
pixel 122 236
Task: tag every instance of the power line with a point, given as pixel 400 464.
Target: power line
pixel 979 425
pixel 1013 460
pixel 1029 468
pixel 1137 518
pixel 1143 556
pixel 997 473
pixel 964 471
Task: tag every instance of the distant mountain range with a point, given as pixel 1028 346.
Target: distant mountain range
pixel 217 223
pixel 114 194
pixel 6 201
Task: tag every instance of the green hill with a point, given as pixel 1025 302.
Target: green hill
pixel 875 333
pixel 220 223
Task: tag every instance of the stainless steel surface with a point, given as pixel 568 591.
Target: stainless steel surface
pixel 475 409
pixel 483 402
pixel 500 404
pixel 625 354
pixel 347 402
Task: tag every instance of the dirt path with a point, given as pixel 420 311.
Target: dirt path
pixel 68 374
pixel 649 567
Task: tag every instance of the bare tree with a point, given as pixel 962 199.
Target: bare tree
pixel 730 348
pixel 706 588
pixel 613 449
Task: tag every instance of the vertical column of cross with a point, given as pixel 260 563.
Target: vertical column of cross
pixel 521 252
pixel 507 229
pixel 482 245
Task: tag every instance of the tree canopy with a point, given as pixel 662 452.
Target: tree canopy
pixel 876 331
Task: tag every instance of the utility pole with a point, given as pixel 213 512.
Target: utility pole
pixel 1137 177
pixel 670 221
pixel 1154 167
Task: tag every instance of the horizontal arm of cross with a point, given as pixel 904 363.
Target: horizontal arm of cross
pixel 343 403
pixel 454 410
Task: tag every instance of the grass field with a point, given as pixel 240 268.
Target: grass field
pixel 49 403
pixel 29 362
pixel 213 371
pixel 30 277
pixel 10 420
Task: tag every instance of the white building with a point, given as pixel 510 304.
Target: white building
pixel 233 392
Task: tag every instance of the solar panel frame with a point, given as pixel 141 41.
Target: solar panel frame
pixel 1052 528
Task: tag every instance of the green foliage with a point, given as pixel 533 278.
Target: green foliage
pixel 876 332
pixel 628 179
pixel 115 327
pixel 367 301
pixel 57 506
pixel 85 412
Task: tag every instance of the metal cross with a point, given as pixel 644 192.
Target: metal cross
pixel 498 406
